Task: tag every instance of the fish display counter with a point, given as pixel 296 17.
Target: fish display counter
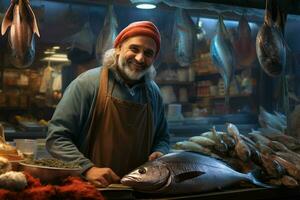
pixel 232 194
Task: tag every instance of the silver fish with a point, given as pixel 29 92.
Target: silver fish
pixel 270 45
pixel 222 54
pixel 183 38
pixel 22 22
pixel 184 172
pixel 107 34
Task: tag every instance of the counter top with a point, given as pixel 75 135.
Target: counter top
pixel 234 194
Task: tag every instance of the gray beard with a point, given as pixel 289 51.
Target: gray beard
pixel 131 75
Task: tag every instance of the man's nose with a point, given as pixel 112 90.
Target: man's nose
pixel 140 57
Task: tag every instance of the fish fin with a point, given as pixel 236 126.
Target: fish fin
pixel 7 20
pixel 34 25
pixel 187 176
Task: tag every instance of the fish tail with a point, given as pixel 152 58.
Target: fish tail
pixel 255 181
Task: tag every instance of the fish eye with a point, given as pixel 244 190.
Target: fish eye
pixel 142 170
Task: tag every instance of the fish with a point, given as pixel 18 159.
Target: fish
pixel 193 146
pixel 270 44
pixel 289 181
pixel 222 54
pixel 291 169
pixel 108 33
pixel 267 119
pixel 291 157
pixel 185 172
pixel 272 166
pixel 220 145
pixel 203 141
pixel 264 149
pixel 183 38
pixel 83 39
pixel 241 148
pixel 288 141
pixel 258 138
pixel 244 46
pixel 23 26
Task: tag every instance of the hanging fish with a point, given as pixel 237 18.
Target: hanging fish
pixel 244 45
pixel 107 34
pixel 270 44
pixel 83 40
pixel 183 38
pixel 222 54
pixel 22 22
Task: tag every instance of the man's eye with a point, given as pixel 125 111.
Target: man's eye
pixel 149 54
pixel 134 49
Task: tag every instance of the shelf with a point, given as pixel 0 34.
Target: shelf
pixel 174 82
pixel 222 97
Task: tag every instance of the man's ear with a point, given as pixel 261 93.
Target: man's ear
pixel 118 49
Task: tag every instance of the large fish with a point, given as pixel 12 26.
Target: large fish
pixel 183 38
pixel 22 22
pixel 185 172
pixel 222 54
pixel 107 34
pixel 270 44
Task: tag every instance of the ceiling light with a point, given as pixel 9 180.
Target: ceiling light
pixel 145 4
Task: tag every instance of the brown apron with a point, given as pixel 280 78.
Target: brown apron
pixel 121 132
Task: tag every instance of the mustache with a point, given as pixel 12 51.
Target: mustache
pixel 140 64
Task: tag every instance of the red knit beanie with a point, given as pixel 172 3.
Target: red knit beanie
pixel 145 28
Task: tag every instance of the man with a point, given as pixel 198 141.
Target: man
pixel 111 119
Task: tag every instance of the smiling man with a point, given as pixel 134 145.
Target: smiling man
pixel 111 119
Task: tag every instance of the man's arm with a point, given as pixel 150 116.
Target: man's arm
pixel 162 137
pixel 66 126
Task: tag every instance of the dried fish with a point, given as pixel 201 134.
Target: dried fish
pixel 107 34
pixel 270 44
pixel 183 38
pixel 22 22
pixel 244 46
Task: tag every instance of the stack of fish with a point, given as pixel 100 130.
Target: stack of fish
pixel 273 152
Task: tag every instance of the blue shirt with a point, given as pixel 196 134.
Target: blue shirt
pixel 68 128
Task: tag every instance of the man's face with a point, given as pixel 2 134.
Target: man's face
pixel 135 56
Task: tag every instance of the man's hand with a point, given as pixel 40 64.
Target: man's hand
pixel 101 177
pixel 155 155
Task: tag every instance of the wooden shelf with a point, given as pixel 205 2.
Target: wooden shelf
pixel 174 82
pixel 222 97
